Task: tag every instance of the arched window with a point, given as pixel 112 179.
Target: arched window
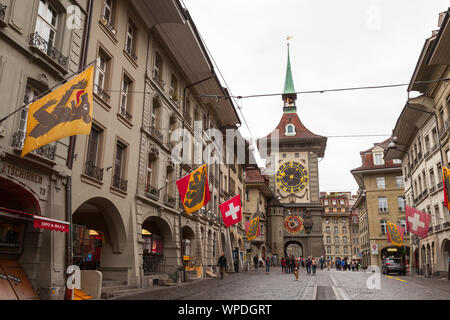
pixel 290 130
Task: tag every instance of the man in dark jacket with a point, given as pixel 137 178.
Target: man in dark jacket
pixel 308 263
pixel 222 263
pixel 255 261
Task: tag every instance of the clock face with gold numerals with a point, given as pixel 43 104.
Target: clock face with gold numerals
pixel 292 177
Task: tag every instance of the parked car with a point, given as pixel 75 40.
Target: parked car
pixel 393 265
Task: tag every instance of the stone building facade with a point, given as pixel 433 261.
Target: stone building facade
pixel 37 51
pixel 380 199
pixel 422 142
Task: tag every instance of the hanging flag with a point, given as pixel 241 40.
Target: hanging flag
pixel 252 229
pixel 395 234
pixel 64 112
pixel 194 190
pixel 231 211
pixel 417 222
pixel 446 183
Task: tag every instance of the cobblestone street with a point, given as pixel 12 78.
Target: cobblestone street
pixel 325 285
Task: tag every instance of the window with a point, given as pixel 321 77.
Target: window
pixel 336 239
pixel 382 204
pixel 335 221
pixel 31 93
pixel 327 221
pixel 378 159
pixel 344 229
pixel 401 204
pixel 290 130
pixel 46 24
pixel 107 10
pixel 397 161
pixel 399 181
pixel 434 135
pixel 297 155
pixel 173 91
pixel 101 75
pixel 345 250
pixel 157 71
pixel 439 170
pixel 325 202
pixel 344 239
pixel 333 202
pixel 383 227
pixel 337 250
pixel 403 225
pixel 327 229
pixel 119 167
pixel 130 46
pixel 247 196
pixel 284 155
pixel 328 250
pixel 125 101
pixel 381 183
pixel 93 146
pixel 327 210
pixel 342 201
pixel 427 143
pixel 336 230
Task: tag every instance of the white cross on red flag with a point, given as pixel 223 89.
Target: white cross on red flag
pixel 417 222
pixel 231 211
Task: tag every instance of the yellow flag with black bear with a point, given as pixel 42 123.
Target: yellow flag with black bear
pixel 64 112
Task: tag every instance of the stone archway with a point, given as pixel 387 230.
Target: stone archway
pixel 446 253
pixel 188 249
pixel 99 235
pixel 159 254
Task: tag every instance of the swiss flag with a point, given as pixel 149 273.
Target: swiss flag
pixel 417 222
pixel 231 211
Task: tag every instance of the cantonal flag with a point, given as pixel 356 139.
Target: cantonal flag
pixel 252 229
pixel 446 183
pixel 194 190
pixel 395 234
pixel 231 211
pixel 417 222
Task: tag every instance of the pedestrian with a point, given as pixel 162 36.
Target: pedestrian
pixel 267 265
pixel 321 261
pixel 283 264
pixel 222 263
pixel 296 271
pixel 255 261
pixel 292 262
pixel 329 264
pixel 314 265
pixel 288 265
pixel 308 265
pixel 261 261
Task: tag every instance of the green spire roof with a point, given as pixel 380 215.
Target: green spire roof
pixel 289 82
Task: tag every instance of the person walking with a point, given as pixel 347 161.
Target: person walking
pixel 292 263
pixel 267 265
pixel 288 265
pixel 314 265
pixel 296 271
pixel 222 263
pixel 255 262
pixel 283 264
pixel 329 264
pixel 308 265
pixel 321 261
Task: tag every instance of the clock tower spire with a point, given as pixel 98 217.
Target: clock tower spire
pixel 289 96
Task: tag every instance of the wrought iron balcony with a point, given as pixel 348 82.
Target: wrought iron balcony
pixel 38 42
pixel 108 25
pixel 93 171
pixel 47 151
pixel 155 133
pixel 170 201
pixel 120 183
pixel 152 192
pixel 131 54
pixel 101 92
pixel 124 113
pixel 2 11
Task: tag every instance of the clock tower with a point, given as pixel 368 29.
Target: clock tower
pixel 295 213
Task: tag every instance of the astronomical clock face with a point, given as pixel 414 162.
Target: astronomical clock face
pixel 292 177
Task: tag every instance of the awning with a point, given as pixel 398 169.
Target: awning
pixel 38 221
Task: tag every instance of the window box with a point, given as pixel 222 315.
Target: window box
pixel 152 193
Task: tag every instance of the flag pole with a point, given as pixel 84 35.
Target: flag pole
pixel 46 92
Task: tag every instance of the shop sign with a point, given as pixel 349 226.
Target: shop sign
pixel 37 182
pixel 44 223
pixel 186 258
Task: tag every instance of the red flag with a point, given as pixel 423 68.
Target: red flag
pixel 231 211
pixel 417 222
pixel 194 190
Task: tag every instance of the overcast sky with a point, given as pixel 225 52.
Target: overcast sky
pixel 335 44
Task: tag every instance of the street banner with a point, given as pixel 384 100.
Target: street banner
pixel 64 112
pixel 231 211
pixel 395 234
pixel 446 183
pixel 194 190
pixel 252 229
pixel 417 222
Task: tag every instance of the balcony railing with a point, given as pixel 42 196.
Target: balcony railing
pixel 102 93
pixel 93 171
pixel 170 201
pixel 47 151
pixel 124 113
pixel 108 25
pixel 120 183
pixel 439 185
pixel 131 54
pixel 38 42
pixel 152 192
pixel 2 11
pixel 155 133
